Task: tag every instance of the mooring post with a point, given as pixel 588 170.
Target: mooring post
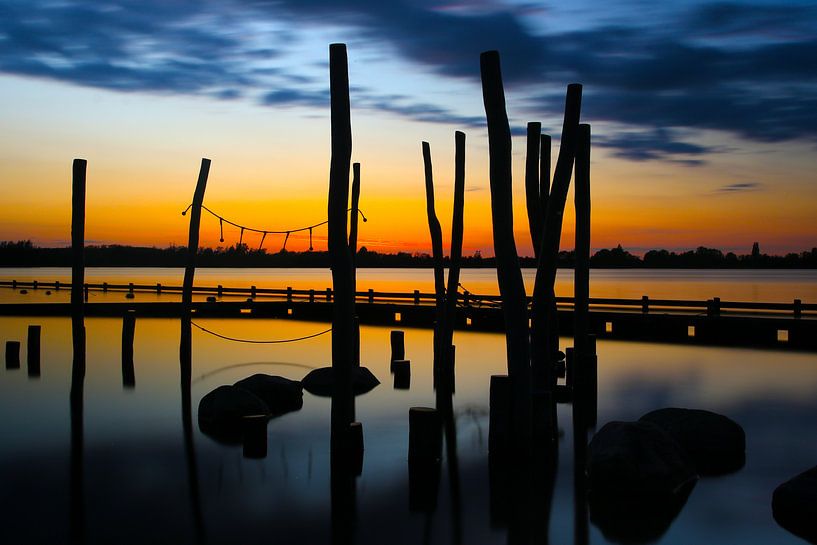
pixel 311 295
pixel 645 304
pixel 353 220
pixel 253 292
pixel 289 294
pixel 12 354
pixel 78 271
pixel 798 308
pixel 128 328
pixel 398 345
pixel 185 344
pixel 33 350
pixel 436 233
pixel 158 288
pixel 509 275
pixel 416 297
pixel 56 285
pixel 340 258
pixel 533 200
pixel 104 287
pixel 34 284
pixel 425 434
pixel 581 271
pixel 14 284
pixel 499 413
pixel 220 290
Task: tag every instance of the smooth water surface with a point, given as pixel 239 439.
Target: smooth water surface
pixel 127 475
pixel 688 284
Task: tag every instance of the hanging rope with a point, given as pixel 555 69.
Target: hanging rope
pixel 223 220
pixel 262 240
pixel 241 236
pixel 284 247
pixel 250 341
pixel 221 228
pixel 310 239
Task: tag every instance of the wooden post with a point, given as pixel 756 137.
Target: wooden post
pixel 398 345
pixel 311 295
pixel 254 435
pixel 645 304
pixel 450 309
pixel 158 288
pixel 533 201
pixel 328 295
pixel 253 291
pixel 581 271
pixel 343 309
pixel 185 345
pixel 56 285
pixel 34 284
pixel 78 274
pixel 436 234
pixel 544 332
pixel 220 290
pixel 353 219
pixel 798 308
pixel 33 350
pixel 371 295
pixel 128 328
pixel 425 434
pixel 416 297
pixel 499 412
pixel 509 275
pixel 12 354
pixel 289 294
pixel 104 287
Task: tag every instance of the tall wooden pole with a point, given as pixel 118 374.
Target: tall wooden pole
pixel 353 219
pixel 343 309
pixel 456 252
pixel 581 278
pixel 533 199
pixel 77 512
pixel 509 275
pixel 185 345
pixel 436 233
pixel 544 172
pixel 544 333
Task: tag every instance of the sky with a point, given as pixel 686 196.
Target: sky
pixel 704 116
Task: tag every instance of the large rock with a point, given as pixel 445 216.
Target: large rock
pixel 794 505
pixel 221 411
pixel 638 480
pixel 319 381
pixel 280 394
pixel 714 443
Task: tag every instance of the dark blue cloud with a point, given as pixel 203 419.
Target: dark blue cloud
pixel 657 144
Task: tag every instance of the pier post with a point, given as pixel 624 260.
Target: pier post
pixel 499 413
pixel 33 350
pixel 311 296
pixel 128 328
pixel 220 290
pixel 12 354
pixel 158 288
pixel 185 345
pixel 509 275
pixel 435 231
pixel 371 295
pixel 289 294
pixel 425 434
pixel 253 292
pixel 581 271
pixel 56 285
pixel 398 345
pixel 645 304
pixel 533 200
pixel 798 308
pixel 416 297
pixel 78 298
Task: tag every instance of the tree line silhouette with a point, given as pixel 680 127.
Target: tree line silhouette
pixel 25 253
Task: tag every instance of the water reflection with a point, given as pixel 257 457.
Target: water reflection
pixel 77 484
pixel 185 372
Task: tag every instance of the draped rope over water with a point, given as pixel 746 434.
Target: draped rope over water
pixel 252 341
pixel 264 232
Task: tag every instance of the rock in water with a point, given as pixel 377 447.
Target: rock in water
pixel 221 411
pixel 280 394
pixel 794 505
pixel 714 443
pixel 319 381
pixel 638 480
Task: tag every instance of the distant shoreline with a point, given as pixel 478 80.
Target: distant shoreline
pixel 26 254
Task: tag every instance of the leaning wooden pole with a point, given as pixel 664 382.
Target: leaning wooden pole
pixel 581 272
pixel 533 199
pixel 343 309
pixel 544 173
pixel 450 310
pixel 436 233
pixel 185 344
pixel 544 343
pixel 509 275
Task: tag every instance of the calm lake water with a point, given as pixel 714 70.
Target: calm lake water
pixel 730 285
pixel 139 484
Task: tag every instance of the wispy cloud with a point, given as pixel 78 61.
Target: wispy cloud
pixel 739 187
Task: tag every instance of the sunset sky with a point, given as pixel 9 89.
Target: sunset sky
pixel 704 116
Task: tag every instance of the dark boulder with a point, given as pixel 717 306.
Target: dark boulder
pixel 638 480
pixel 319 381
pixel 221 411
pixel 794 505
pixel 714 443
pixel 280 394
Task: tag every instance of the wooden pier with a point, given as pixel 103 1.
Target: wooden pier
pixel 714 322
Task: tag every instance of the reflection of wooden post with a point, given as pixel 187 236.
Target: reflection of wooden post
pixel 544 329
pixel 343 309
pixel 436 233
pixel 509 275
pixel 12 354
pixel 533 201
pixel 581 281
